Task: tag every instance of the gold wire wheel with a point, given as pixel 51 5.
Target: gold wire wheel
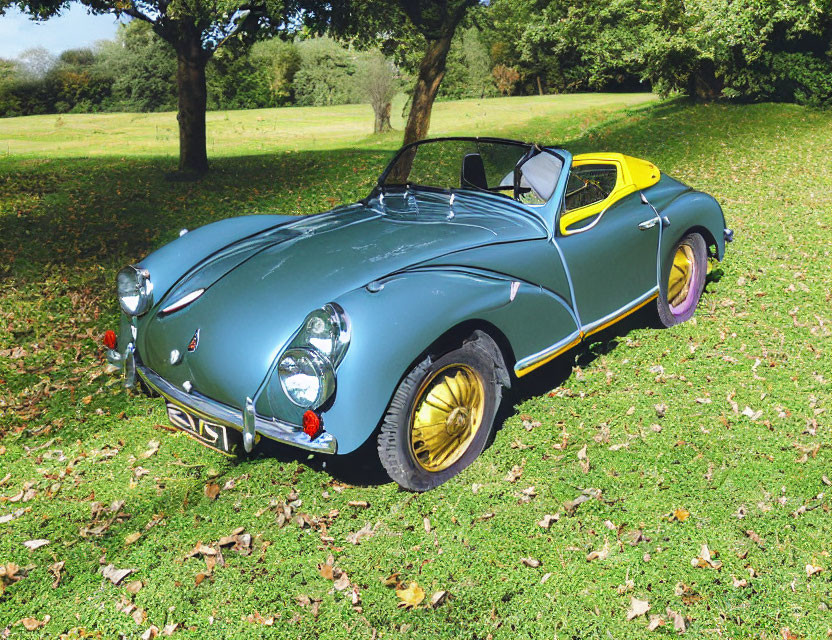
pixel 447 415
pixel 681 275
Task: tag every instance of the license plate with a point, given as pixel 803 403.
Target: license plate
pixel 216 436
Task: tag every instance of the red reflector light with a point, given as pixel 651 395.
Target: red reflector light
pixel 110 340
pixel 312 424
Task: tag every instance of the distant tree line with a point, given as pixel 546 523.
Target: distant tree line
pixel 136 72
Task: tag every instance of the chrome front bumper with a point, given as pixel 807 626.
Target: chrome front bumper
pixel 244 421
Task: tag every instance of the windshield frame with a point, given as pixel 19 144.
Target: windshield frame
pixel 546 212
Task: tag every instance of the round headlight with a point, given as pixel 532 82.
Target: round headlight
pixel 134 290
pixel 327 330
pixel 307 378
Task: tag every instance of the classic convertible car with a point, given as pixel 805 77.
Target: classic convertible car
pixel 403 316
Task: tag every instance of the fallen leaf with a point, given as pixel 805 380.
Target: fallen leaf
pixel 530 562
pixel 152 447
pixel 602 554
pixel 515 472
pixel 704 560
pixel 115 575
pixel 679 623
pixel 257 618
pixel 637 608
pixel 151 632
pixel 212 490
pixel 548 519
pixel 750 413
pixel 35 544
pixel 438 598
pixel 583 459
pixel 134 587
pixel 571 505
pixel 661 409
pixel 55 569
pixel 32 624
pixel 655 623
pixel 755 537
pixel 812 569
pixel 364 532
pixel 739 583
pixel 361 504
pixel 168 629
pixel 681 514
pixel 410 597
pixel 131 538
pixel 139 616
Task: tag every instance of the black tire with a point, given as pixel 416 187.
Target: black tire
pixel 673 312
pixel 395 447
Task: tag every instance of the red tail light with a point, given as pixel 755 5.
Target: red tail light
pixel 110 339
pixel 312 424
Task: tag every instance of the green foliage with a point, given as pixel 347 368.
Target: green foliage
pixel 326 73
pixel 468 72
pixel 281 60
pixel 237 82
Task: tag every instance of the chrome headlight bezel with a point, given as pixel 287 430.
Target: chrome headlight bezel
pixel 318 368
pixel 134 290
pixel 322 341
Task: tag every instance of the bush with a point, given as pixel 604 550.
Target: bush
pixel 326 75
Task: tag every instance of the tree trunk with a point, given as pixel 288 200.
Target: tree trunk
pixel 382 122
pixel 539 86
pixel 431 72
pixel 190 80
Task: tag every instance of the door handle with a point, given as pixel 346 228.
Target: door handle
pixel 648 224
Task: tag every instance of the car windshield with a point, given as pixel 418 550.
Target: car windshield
pixel 516 170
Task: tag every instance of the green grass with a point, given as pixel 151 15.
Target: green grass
pixel 75 206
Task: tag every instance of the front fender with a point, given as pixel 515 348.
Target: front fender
pixel 168 263
pixel 392 328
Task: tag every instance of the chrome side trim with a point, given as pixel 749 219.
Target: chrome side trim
pixel 249 420
pixel 615 314
pixel 183 301
pixel 214 411
pixel 548 352
pixel 128 367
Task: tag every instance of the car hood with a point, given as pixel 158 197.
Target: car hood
pixel 258 290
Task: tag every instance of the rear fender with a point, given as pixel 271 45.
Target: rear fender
pixel 693 211
pixel 393 326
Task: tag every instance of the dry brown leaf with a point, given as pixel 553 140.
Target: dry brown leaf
pixel 257 618
pixel 200 577
pixel 32 624
pixel 410 597
pixel 548 519
pixel 705 560
pixel 655 623
pixel 812 569
pixel 134 587
pixel 139 616
pixel 364 532
pixel 755 537
pixel 361 504
pixel 583 459
pixel 152 447
pixel 131 538
pixel 637 608
pixel 438 598
pixel 571 505
pixel 31 545
pixel 168 629
pixel 515 472
pixel 679 623
pixel 601 554
pixel 739 582
pixel 151 632
pixel 530 562
pixel 426 522
pixel 341 582
pixel 55 569
pixel 661 410
pixel 115 575
pixel 212 490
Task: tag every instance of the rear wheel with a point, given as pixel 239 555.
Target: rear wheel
pixel 683 280
pixel 440 418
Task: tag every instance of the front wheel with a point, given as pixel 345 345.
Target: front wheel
pixel 440 418
pixel 683 280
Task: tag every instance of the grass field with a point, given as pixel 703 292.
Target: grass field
pixel 716 432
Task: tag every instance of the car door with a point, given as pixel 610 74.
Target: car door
pixel 609 241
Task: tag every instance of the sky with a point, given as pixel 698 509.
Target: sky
pixel 72 29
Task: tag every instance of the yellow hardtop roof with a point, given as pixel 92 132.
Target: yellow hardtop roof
pixel 634 172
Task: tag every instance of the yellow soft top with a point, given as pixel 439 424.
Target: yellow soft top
pixel 633 174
